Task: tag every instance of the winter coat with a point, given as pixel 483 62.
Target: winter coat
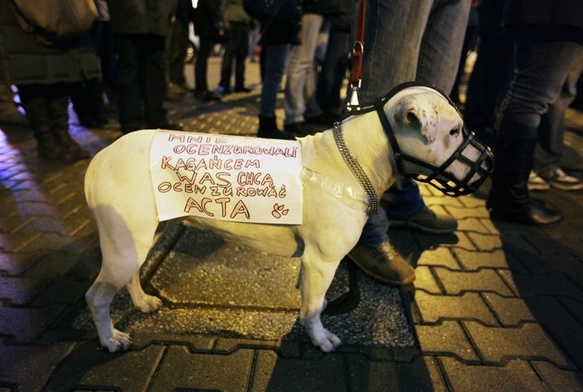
pixel 23 61
pixel 142 16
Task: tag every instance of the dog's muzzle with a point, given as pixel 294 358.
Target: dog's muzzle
pixel 439 177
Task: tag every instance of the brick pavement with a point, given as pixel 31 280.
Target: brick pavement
pixel 495 306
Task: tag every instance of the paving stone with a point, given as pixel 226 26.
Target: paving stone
pixel 473 225
pixel 473 261
pixel 529 341
pixel 570 338
pixel 180 369
pixel 63 289
pixel 483 280
pixel 461 241
pixel 425 281
pixel 13 264
pixel 20 291
pixel 513 312
pixel 527 286
pixel 574 306
pixel 28 368
pixel 422 374
pixel 26 324
pixel 516 375
pixel 88 367
pixel 462 212
pixel 559 380
pixel 442 257
pixel 434 308
pixel 273 373
pixel 446 338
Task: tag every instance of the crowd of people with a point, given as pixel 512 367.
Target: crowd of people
pixel 529 62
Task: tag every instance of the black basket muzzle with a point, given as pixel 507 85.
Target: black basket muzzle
pixel 439 177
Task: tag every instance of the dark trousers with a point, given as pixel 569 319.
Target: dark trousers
pixel 201 65
pixel 236 50
pixel 141 81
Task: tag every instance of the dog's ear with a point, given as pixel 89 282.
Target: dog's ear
pixel 410 113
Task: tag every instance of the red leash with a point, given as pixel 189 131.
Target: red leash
pixel 357 55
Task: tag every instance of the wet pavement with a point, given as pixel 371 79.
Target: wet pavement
pixel 494 307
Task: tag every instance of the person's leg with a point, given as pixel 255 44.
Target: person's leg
pixel 128 83
pixel 275 63
pixel 489 75
pixel 548 157
pixel 332 75
pixel 300 63
pixel 241 52
pixel 543 59
pixel 227 62
pixel 154 86
pixel 275 60
pixel 201 66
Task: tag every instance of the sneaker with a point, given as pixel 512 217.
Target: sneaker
pixel 537 183
pixel 427 221
pixel 382 264
pixel 560 180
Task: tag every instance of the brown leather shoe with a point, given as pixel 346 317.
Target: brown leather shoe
pixel 383 264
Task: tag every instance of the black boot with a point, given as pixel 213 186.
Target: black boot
pixel 38 113
pixel 268 129
pixel 60 128
pixel 509 199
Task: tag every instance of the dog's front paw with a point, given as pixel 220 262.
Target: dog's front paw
pixel 328 342
pixel 118 342
pixel 148 303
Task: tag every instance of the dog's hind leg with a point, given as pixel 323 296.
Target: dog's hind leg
pixel 145 302
pixel 124 245
pixel 316 279
pixel 99 297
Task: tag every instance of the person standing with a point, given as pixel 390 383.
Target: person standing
pixel 236 48
pixel 209 25
pixel 300 84
pixel 44 76
pixel 428 52
pixel 279 32
pixel 140 28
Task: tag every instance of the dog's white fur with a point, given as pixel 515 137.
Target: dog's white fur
pixel 120 195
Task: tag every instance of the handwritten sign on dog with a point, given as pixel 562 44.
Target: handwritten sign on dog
pixel 226 177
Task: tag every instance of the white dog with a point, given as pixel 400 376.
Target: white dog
pixel 426 126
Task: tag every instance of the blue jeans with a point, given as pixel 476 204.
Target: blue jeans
pixel 405 41
pixel 275 62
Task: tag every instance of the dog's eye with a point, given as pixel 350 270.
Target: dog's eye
pixel 454 132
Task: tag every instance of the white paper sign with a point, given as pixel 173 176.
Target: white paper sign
pixel 223 177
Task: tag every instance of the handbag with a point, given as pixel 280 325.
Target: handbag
pixel 54 22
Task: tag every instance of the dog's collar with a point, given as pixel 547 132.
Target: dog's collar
pixel 356 169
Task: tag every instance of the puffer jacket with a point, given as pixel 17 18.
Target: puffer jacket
pixel 142 16
pixel 23 61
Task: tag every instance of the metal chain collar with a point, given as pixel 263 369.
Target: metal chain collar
pixel 356 169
